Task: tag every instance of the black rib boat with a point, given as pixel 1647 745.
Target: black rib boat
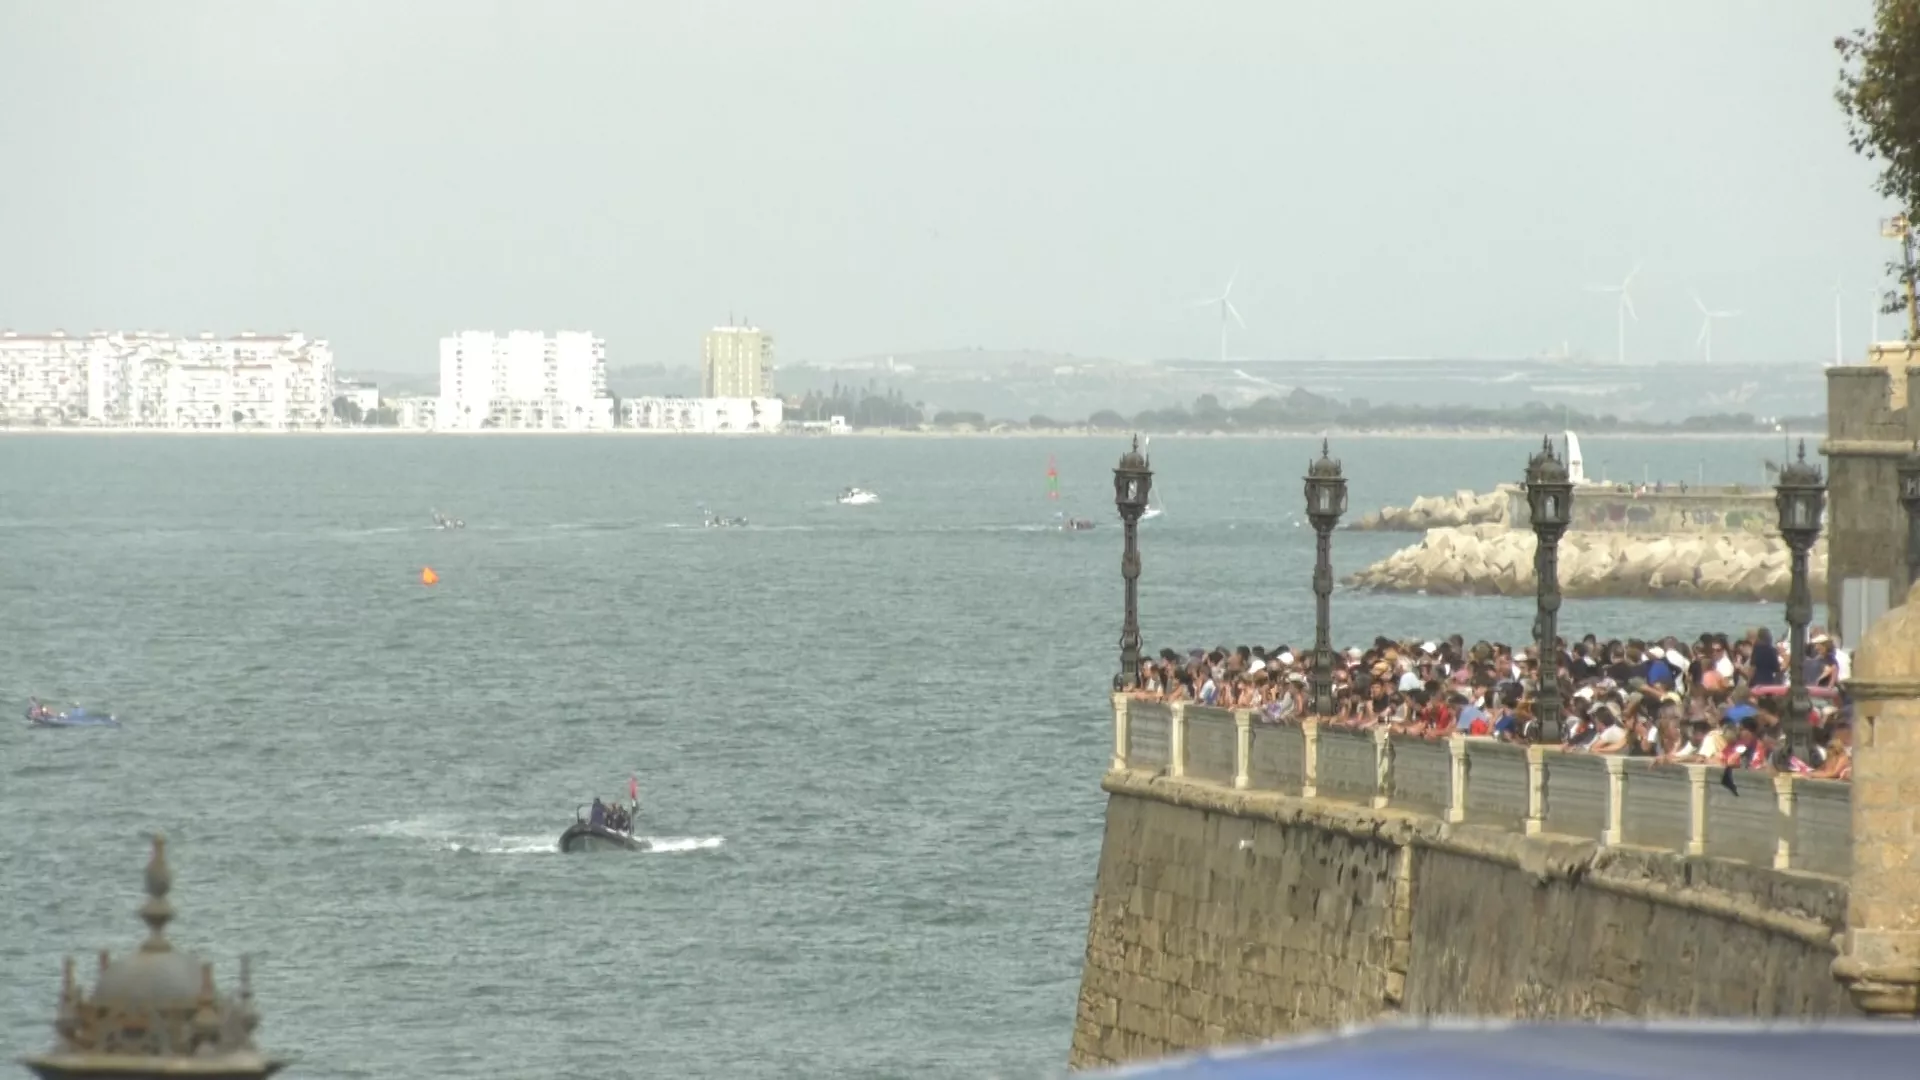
pixel 583 835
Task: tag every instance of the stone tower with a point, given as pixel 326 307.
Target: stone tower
pixel 1870 427
pixel 1880 960
pixel 154 1013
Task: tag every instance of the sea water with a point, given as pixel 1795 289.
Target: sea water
pixel 868 739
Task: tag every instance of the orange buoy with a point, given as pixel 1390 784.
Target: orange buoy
pixel 428 577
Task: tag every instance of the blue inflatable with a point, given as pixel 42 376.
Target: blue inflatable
pixel 74 716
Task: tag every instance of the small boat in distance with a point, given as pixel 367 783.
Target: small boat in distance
pixel 711 520
pixel 39 715
pixel 442 521
pixel 1072 524
pixel 603 827
pixel 854 496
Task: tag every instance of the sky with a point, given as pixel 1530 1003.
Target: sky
pixel 868 177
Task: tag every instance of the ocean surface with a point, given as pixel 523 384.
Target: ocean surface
pixel 868 739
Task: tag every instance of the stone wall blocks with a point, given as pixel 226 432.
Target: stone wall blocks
pixel 1350 914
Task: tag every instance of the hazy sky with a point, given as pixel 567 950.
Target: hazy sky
pixel 1405 177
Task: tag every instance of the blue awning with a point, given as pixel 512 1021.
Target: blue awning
pixel 1479 1050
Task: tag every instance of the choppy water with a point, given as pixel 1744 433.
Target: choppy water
pixel 868 739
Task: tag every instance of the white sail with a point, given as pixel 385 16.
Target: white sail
pixel 1576 466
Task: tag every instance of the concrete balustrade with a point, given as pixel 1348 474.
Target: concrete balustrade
pixel 1786 822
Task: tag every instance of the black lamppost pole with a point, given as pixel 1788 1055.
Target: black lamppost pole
pixel 1910 499
pixel 1801 497
pixel 1550 506
pixel 1132 484
pixel 1326 501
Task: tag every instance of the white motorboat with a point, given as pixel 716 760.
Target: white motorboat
pixel 854 496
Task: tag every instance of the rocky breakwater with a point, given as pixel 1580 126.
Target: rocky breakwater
pixel 1435 511
pixel 1475 560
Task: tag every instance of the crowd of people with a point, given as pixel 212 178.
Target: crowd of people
pixel 1715 700
pixel 611 815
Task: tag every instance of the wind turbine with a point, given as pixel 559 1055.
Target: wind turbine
pixel 1226 309
pixel 1839 345
pixel 1625 306
pixel 1705 340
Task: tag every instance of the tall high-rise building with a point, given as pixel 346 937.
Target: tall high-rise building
pixel 523 380
pixel 737 362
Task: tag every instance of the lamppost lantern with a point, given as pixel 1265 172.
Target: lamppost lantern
pixel 1550 506
pixel 1132 484
pixel 1910 500
pixel 1326 488
pixel 1800 496
pixel 1326 501
pixel 1549 489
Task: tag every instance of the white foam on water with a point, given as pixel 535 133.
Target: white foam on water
pixel 430 827
pixel 509 845
pixel 671 845
pixel 442 831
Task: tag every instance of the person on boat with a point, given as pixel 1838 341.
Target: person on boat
pixel 598 816
pixel 35 710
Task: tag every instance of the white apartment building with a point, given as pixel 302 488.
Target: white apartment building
pixel 249 382
pixel 523 381
pixel 736 362
pixel 702 415
pixel 45 377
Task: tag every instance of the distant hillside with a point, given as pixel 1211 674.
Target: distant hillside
pixel 974 359
pixel 397 383
pixel 653 380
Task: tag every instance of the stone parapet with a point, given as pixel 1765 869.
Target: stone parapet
pixel 1339 877
pixel 1780 822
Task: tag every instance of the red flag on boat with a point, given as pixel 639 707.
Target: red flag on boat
pixel 633 788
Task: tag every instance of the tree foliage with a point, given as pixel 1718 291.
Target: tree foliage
pixel 1879 93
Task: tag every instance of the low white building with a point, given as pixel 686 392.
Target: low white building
pixel 835 425
pixel 523 381
pixel 252 381
pixel 415 413
pixel 702 416
pixel 363 396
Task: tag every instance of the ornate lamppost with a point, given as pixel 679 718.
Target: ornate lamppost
pixel 1550 506
pixel 1910 499
pixel 1800 496
pixel 1132 484
pixel 1326 501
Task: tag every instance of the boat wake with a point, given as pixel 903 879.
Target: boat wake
pixel 440 832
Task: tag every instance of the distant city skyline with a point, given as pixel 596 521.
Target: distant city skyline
pixel 1122 161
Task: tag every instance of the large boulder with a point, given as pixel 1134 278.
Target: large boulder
pixel 1491 559
pixel 1437 511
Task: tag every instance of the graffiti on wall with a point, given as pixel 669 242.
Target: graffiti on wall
pixel 1628 515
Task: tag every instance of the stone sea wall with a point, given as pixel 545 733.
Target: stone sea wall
pixel 1225 916
pixel 1497 560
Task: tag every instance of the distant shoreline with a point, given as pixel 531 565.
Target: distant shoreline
pixel 885 433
